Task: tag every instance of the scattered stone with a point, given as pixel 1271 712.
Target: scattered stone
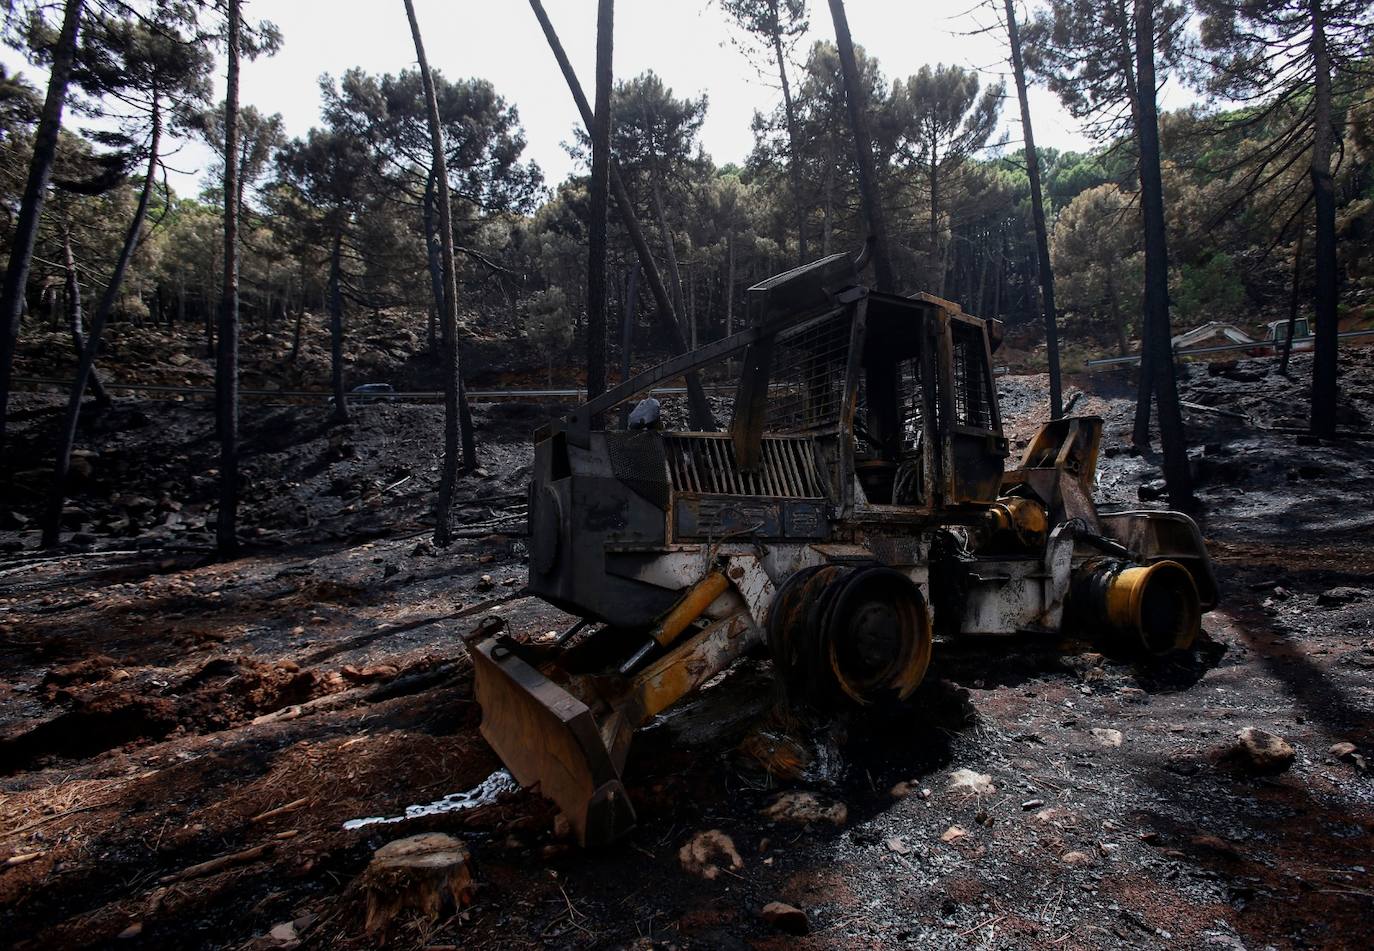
pixel 1108 738
pixel 424 548
pixel 898 844
pixel 485 583
pixel 1030 804
pixel 284 934
pixel 1334 597
pixel 803 808
pixel 1132 695
pixel 970 782
pixel 1216 844
pixel 1261 752
pixel 953 834
pixel 786 918
pixel 370 674
pixel 425 873
pixel 133 931
pixel 924 793
pixel 707 853
pixel 1076 858
pixel 900 791
pixel 1348 753
pixel 1150 491
pixel 1182 764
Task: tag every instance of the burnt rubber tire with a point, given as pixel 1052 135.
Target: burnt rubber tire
pixel 877 636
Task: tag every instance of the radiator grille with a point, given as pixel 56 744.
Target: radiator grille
pixel 706 464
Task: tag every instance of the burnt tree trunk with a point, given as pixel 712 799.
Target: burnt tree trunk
pixel 793 140
pixel 1172 437
pixel 884 276
pixel 227 366
pixel 336 330
pixel 52 525
pixel 433 256
pixel 1292 306
pixel 1042 237
pixel 1325 367
pixel 669 248
pixel 598 201
pixel 448 478
pixel 702 419
pixel 31 205
pixel 75 318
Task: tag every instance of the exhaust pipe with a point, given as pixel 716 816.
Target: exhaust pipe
pixel 1152 607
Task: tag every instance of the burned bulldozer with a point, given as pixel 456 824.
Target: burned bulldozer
pixel 857 509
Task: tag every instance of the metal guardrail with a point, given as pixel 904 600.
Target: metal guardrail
pixel 1108 362
pixel 476 396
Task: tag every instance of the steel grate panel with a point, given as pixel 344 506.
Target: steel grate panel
pixel 806 382
pixel 972 389
pixel 705 464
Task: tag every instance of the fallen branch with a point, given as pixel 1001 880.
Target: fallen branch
pixel 1216 411
pixel 990 921
pixel 219 864
pixel 14 860
pixel 280 810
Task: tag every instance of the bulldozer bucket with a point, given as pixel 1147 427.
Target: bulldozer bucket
pixel 549 738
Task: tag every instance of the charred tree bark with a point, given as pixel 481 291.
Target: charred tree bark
pixel 434 258
pixel 443 534
pixel 1042 238
pixel 1172 437
pixel 227 366
pixel 627 336
pixel 336 330
pixel 793 141
pixel 52 524
pixel 598 200
pixel 702 418
pixel 669 250
pixel 1325 364
pixel 75 318
pixel 31 205
pixel 1292 306
pixel 884 276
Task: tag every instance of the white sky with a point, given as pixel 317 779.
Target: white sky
pixel 687 42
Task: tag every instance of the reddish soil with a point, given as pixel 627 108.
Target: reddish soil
pixel 156 704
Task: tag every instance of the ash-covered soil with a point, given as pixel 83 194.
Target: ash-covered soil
pixel 160 710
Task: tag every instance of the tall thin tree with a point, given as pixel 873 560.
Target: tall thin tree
pixel 448 320
pixel 598 201
pixel 1324 357
pixel 1173 441
pixel 31 205
pixel 777 23
pixel 52 525
pixel 227 364
pixel 1042 237
pixel 885 277
pixel 699 408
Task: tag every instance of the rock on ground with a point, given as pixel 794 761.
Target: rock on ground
pixel 707 853
pixel 1261 752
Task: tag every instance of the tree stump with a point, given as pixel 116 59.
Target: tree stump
pixel 424 873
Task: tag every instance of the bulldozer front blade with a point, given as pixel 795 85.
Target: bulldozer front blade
pixel 549 738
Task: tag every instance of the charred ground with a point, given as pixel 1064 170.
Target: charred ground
pixel 158 705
